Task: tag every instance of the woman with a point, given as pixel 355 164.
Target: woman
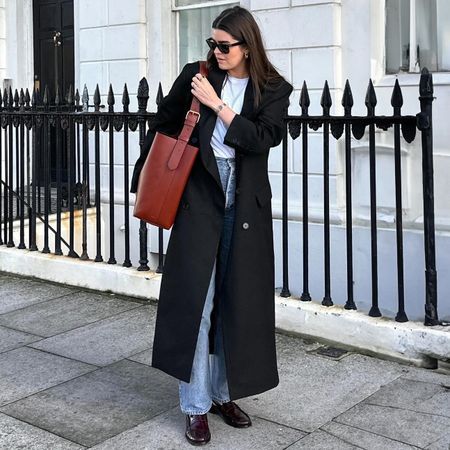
pixel 215 326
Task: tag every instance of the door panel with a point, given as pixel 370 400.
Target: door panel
pixel 53 65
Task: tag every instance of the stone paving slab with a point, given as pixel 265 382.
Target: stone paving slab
pixel 427 376
pixel 144 357
pixel 363 439
pixel 315 389
pixel 406 426
pixel 321 440
pixel 11 339
pixel 105 341
pixel 24 371
pixel 16 293
pixel 66 313
pixel 15 434
pixel 100 404
pixel 167 432
pixel 442 443
pixel 74 388
pixel 414 395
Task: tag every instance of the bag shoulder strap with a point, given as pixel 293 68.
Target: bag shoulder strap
pixel 195 105
pixel 191 119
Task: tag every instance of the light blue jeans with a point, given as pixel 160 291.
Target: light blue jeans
pixel 208 377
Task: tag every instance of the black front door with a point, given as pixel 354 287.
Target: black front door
pixel 53 66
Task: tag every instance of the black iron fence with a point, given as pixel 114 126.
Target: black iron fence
pixel 44 172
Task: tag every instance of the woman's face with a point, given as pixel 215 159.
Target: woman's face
pixel 235 59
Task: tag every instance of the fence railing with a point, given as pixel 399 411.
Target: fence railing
pixel 45 162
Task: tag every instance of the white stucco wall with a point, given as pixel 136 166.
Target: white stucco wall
pixel 18 50
pixel 2 43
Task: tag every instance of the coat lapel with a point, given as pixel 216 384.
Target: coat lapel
pixel 247 105
pixel 208 121
pixel 206 127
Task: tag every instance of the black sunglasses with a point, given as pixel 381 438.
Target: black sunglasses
pixel 224 48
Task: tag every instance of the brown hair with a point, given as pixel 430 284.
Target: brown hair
pixel 240 23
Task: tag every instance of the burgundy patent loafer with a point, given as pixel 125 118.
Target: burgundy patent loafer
pixel 197 429
pixel 231 414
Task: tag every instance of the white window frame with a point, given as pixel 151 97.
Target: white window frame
pixel 177 9
pixel 378 55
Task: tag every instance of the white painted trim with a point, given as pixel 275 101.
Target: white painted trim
pixel 76 44
pixel 410 342
pixel 203 5
pixel 412 79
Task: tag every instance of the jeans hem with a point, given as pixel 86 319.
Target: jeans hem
pixel 221 400
pixel 195 413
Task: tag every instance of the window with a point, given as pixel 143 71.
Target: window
pixel 194 19
pixel 417 35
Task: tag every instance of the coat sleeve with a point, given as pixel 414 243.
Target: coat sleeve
pixel 259 135
pixel 168 118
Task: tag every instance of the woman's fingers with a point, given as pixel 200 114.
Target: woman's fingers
pixel 203 89
pixel 200 85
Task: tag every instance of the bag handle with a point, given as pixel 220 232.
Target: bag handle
pixel 191 119
pixel 195 105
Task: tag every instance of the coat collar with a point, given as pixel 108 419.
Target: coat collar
pixel 207 121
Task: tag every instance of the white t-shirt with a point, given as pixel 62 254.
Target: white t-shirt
pixel 233 95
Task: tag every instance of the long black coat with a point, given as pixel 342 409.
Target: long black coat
pixel 246 295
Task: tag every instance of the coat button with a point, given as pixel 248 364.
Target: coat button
pixel 185 205
pixel 237 191
pixel 194 140
pixel 245 226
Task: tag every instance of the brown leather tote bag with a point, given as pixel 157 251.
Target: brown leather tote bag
pixel 166 170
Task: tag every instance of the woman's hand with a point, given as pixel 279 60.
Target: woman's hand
pixel 206 94
pixel 203 90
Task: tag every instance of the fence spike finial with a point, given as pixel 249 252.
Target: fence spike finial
pixel 347 98
pixel 85 98
pixel 21 100
pixel 159 95
pixel 16 98
pixel 142 95
pixel 77 97
pixel 371 97
pixel 34 98
pixel 304 98
pixel 57 96
pixel 397 97
pixel 111 100
pixel 5 97
pixel 97 98
pixel 70 99
pixel 125 98
pixel 45 100
pixel 426 83
pixel 325 100
pixel 10 97
pixel 27 98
